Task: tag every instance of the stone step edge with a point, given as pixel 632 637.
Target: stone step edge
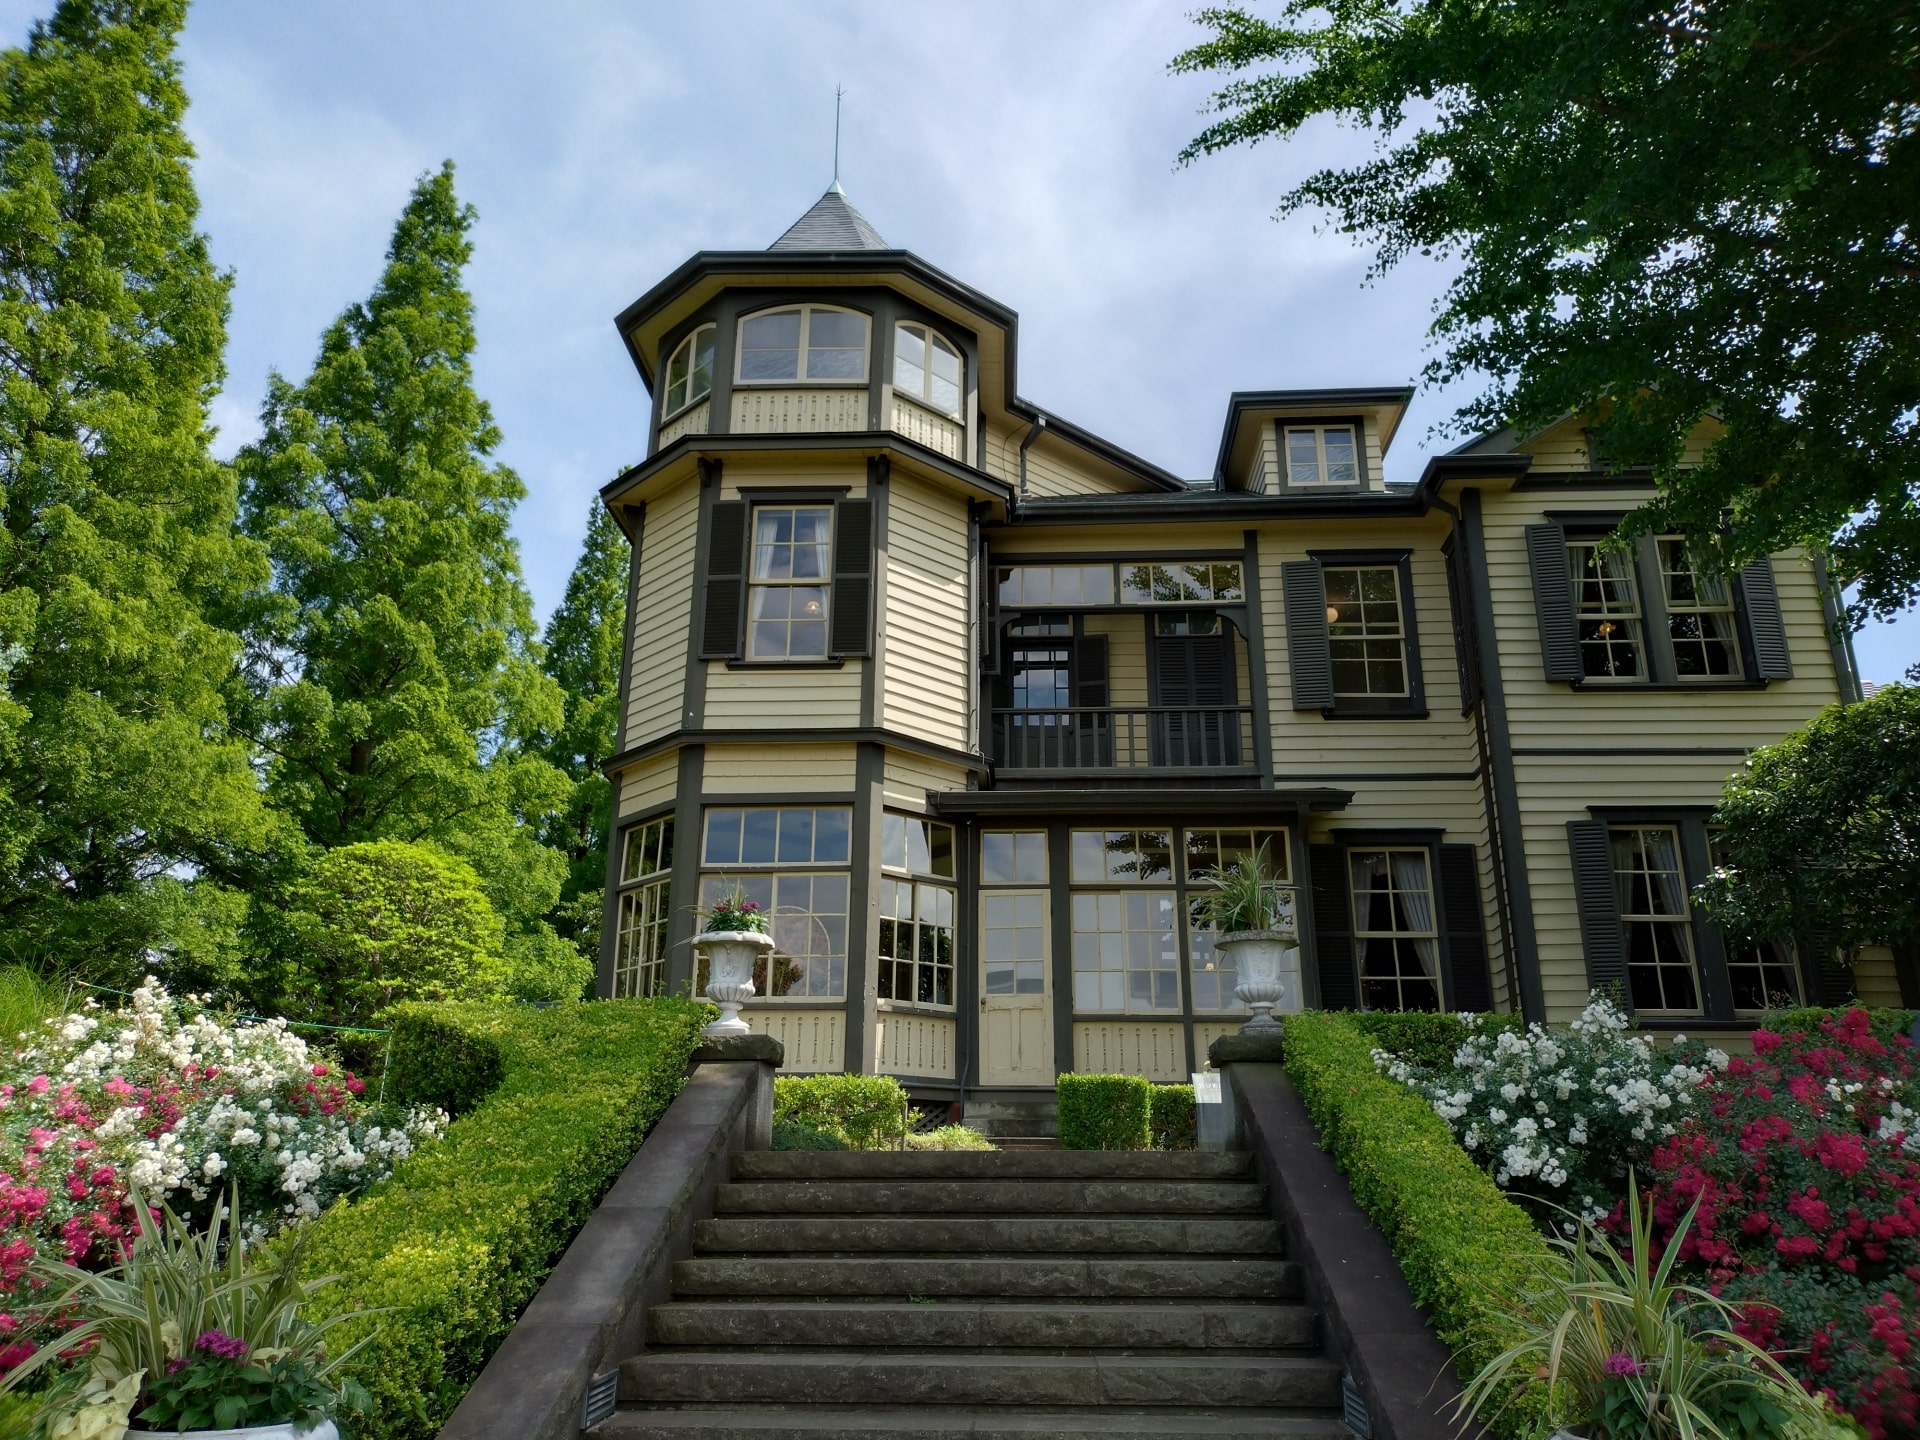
pixel 942 1422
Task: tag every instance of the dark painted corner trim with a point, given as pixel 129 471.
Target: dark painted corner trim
pixel 1846 668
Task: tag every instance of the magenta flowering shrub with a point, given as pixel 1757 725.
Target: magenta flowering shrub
pixel 1806 1162
pixel 180 1103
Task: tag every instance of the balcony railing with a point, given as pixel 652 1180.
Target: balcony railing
pixel 1155 737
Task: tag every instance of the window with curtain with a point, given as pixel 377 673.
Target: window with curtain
pixel 1761 974
pixel 804 343
pixel 1606 611
pixel 1366 634
pixel 1699 613
pixel 926 368
pixel 690 370
pixel 1394 929
pixel 787 586
pixel 640 945
pixel 1651 888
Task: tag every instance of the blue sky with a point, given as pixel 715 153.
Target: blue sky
pixel 1027 149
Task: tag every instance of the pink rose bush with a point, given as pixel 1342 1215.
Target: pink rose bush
pixel 181 1103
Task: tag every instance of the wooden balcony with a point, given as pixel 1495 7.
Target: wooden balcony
pixel 1081 740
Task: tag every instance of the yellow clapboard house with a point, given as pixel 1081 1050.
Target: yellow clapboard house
pixel 971 700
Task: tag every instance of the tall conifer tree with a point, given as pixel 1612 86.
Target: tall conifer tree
pixel 584 641
pixel 394 667
pixel 123 802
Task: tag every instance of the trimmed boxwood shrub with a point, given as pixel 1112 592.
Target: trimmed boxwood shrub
pixel 1172 1118
pixel 1468 1252
pixel 1424 1038
pixel 1104 1112
pixel 864 1112
pixel 458 1239
pixel 440 1059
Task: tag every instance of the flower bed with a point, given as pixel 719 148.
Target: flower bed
pixel 179 1102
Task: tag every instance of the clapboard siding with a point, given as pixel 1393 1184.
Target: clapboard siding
pixel 926 676
pixel 755 697
pixel 648 784
pixel 1875 981
pixel 778 769
pixel 1142 541
pixel 663 617
pixel 1127 657
pixel 1054 466
pixel 910 779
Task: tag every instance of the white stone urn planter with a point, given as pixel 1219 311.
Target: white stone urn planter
pixel 1268 965
pixel 325 1430
pixel 730 956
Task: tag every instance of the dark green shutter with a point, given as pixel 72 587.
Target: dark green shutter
pixel 1553 601
pixel 1092 733
pixel 724 605
pixel 1599 902
pixel 1761 598
pixel 1305 592
pixel 1826 970
pixel 1333 928
pixel 852 577
pixel 1469 986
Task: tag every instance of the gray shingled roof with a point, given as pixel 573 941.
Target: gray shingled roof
pixel 832 224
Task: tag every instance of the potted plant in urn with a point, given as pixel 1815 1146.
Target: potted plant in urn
pixel 732 940
pixel 192 1335
pixel 1252 911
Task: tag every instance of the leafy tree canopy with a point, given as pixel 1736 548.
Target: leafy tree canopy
pixel 124 801
pixel 1659 212
pixel 385 921
pixel 1822 831
pixel 397 686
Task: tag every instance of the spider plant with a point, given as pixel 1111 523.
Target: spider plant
pixel 1629 1351
pixel 1246 896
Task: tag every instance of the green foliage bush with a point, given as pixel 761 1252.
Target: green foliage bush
pixel 1105 1112
pixel 1172 1118
pixel 949 1137
pixel 1422 1037
pixel 458 1239
pixel 1468 1252
pixel 793 1135
pixel 439 1058
pixel 867 1112
pixel 1884 1025
pixel 25 1001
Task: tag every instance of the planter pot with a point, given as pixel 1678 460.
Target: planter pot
pixel 325 1430
pixel 730 956
pixel 1268 965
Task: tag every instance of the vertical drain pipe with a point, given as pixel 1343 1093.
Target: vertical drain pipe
pixel 1039 425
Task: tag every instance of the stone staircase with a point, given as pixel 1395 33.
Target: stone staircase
pixel 1076 1295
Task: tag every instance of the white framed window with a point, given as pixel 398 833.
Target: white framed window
pixel 1606 611
pixel 818 344
pixel 1699 613
pixel 1396 938
pixel 1126 951
pixel 690 371
pixel 1761 975
pixel 1013 857
pixel 791 862
pixel 1366 631
pixel 640 944
pixel 1055 584
pixel 1013 942
pixel 787 585
pixel 926 368
pixel 1121 857
pixel 916 940
pixel 1180 583
pixel 1211 972
pixel 1663 977
pixel 1322 454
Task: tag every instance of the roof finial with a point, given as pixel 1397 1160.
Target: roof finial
pixel 838 92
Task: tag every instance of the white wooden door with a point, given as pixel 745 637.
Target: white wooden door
pixel 1016 1003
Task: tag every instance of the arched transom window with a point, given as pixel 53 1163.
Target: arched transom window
pixel 690 369
pixel 804 342
pixel 926 368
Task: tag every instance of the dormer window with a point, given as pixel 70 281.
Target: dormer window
pixel 804 343
pixel 690 370
pixel 926 368
pixel 1322 455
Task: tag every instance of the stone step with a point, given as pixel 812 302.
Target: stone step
pixel 936 1423
pixel 944 1378
pixel 990 1165
pixel 1021 1277
pixel 993 1197
pixel 961 1324
pixel 932 1235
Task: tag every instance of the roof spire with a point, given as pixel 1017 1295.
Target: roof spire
pixel 838 92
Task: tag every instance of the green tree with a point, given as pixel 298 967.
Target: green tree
pixel 1658 212
pixel 584 642
pixel 385 921
pixel 1822 831
pixel 128 810
pixel 396 684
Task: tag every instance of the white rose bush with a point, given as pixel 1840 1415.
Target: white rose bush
pixel 184 1104
pixel 1562 1115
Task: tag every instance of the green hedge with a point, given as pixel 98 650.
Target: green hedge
pixel 1172 1118
pixel 866 1112
pixel 1467 1251
pixel 457 1241
pixel 439 1059
pixel 1104 1112
pixel 1885 1024
pixel 1423 1037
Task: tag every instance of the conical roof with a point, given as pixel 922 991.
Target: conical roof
pixel 832 224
